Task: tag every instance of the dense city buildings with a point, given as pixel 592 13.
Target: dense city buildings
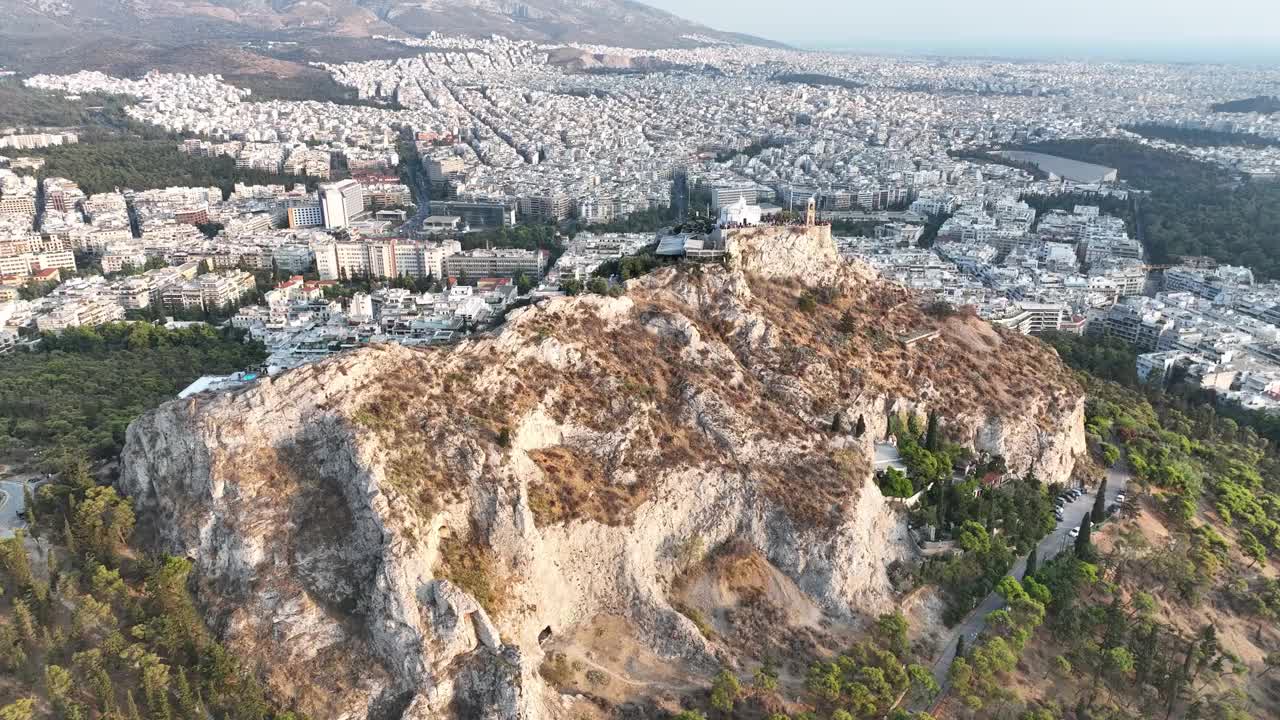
pixel 502 134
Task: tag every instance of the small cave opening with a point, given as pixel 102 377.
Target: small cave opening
pixel 443 532
pixel 545 635
pixel 860 427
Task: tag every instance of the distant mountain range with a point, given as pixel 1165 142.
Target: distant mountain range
pixel 57 34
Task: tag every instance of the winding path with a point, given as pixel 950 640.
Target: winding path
pixel 11 504
pixel 1052 544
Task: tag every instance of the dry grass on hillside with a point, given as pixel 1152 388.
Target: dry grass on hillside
pixel 473 567
pixel 655 404
pixel 978 370
pixel 576 486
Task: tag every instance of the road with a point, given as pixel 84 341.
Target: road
pixel 11 503
pixel 1053 543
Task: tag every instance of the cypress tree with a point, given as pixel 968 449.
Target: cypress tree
pixel 187 703
pixel 68 537
pixel 1032 562
pixel 960 647
pixel 29 504
pixel 1100 503
pixel 932 440
pixel 1084 543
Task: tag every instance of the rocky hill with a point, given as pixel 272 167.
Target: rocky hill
pixel 50 29
pixel 398 533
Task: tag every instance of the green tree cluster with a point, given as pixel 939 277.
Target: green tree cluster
pixel 630 266
pixel 1129 657
pixel 1192 207
pixel 977 676
pixel 108 163
pixel 1201 137
pixel 25 107
pixel 81 389
pixel 872 678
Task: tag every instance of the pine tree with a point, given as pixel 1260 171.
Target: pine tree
pixel 1032 562
pixel 1084 543
pixel 188 705
pixel 1100 503
pixel 131 707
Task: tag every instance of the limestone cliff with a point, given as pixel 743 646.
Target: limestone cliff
pixel 395 533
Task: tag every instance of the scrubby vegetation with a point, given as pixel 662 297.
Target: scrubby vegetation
pixel 472 567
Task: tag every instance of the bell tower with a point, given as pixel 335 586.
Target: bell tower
pixel 811 213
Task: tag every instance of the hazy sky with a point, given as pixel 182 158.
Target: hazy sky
pixel 1160 29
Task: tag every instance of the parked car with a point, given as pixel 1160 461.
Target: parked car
pixel 1075 532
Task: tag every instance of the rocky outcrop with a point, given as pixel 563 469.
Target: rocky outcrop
pixel 397 531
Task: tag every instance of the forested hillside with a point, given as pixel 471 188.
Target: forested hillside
pixel 24 107
pixel 1169 607
pixel 90 628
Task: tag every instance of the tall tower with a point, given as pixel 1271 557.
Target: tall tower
pixel 811 212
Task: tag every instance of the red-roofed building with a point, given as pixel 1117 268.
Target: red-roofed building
pixel 47 275
pixel 490 283
pixel 291 282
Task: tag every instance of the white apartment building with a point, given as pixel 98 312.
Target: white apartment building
pixel 722 197
pixel 443 167
pixel 1032 318
pixel 505 262
pixel 209 291
pixel 383 259
pixel 37 140
pixel 305 216
pixel 1208 284
pixel 341 202
pixel 119 259
pixel 543 208
pixel 18 205
pixel 80 312
pixel 29 263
